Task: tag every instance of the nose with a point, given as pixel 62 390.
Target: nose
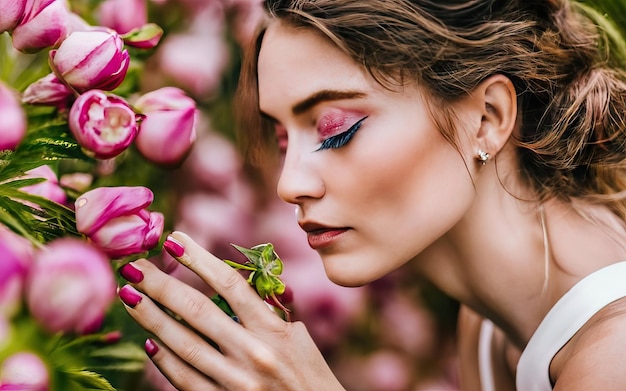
pixel 299 178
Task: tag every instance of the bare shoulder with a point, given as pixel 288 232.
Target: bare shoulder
pixel 594 358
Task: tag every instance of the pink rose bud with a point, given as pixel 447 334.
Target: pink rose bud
pixel 144 37
pixel 70 286
pixel 103 124
pixel 48 90
pixel 49 188
pixel 13 123
pixel 115 219
pixel 45 24
pixel 24 371
pixel 92 59
pixel 13 271
pixel 12 13
pixel 168 131
pixel 123 15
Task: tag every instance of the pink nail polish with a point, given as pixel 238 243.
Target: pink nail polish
pixel 131 273
pixel 151 347
pixel 173 247
pixel 129 296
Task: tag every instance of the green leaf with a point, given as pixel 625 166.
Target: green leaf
pixel 40 225
pixel 126 351
pixel 223 305
pixel 50 143
pixel 89 380
pixel 253 255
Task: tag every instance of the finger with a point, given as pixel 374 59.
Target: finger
pixel 229 283
pixel 178 372
pixel 192 306
pixel 183 341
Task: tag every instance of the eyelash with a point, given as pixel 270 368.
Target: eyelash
pixel 341 139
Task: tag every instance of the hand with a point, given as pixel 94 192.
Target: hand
pixel 262 352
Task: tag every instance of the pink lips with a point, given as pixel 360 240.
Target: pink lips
pixel 320 236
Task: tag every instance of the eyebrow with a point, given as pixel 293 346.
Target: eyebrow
pixel 322 96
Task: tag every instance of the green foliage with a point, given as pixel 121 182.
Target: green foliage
pixel 34 217
pixel 610 17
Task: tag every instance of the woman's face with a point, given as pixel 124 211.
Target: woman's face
pixel 374 180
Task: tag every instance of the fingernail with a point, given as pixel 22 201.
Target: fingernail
pixel 129 296
pixel 151 347
pixel 131 273
pixel 173 247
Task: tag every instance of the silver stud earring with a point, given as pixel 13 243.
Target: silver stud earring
pixel 483 157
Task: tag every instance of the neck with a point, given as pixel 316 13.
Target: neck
pixel 511 260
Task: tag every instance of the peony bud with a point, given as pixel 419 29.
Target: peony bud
pixel 70 286
pixel 12 13
pixel 103 124
pixel 123 15
pixel 24 371
pixel 49 188
pixel 13 123
pixel 48 90
pixel 115 219
pixel 45 24
pixel 169 128
pixel 92 59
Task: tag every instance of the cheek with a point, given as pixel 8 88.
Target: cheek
pixel 409 165
pixel 413 191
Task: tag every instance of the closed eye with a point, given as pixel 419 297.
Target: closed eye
pixel 341 139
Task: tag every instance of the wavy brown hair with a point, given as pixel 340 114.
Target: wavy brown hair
pixel 571 92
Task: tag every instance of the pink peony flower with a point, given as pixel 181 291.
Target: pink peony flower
pixel 45 24
pixel 103 124
pixel 215 163
pixel 70 286
pixel 123 15
pixel 115 219
pixel 91 59
pixel 13 123
pixel 178 54
pixel 24 371
pixel 12 13
pixel 168 131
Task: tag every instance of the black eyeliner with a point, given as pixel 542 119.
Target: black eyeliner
pixel 341 139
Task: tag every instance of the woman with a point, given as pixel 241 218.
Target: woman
pixel 482 141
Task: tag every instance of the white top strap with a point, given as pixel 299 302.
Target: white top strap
pixel 568 315
pixel 485 363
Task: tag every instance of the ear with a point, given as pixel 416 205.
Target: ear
pixel 496 101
